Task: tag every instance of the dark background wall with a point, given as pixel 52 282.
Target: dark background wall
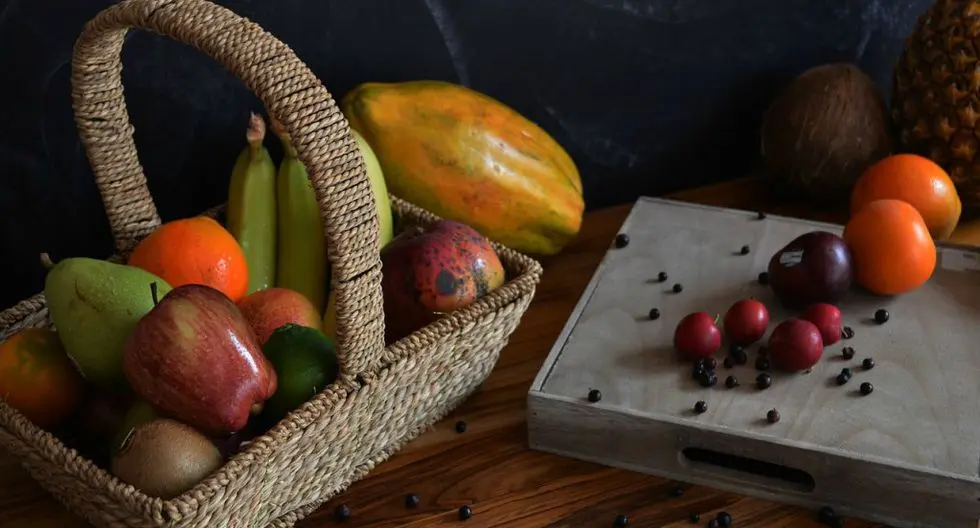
pixel 648 96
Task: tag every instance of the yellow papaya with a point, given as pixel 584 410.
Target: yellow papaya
pixel 467 157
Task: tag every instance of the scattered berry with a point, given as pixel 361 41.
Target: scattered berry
pixel 461 425
pixel 731 382
pixel 695 518
pixel 654 314
pixel 341 513
pixel 708 379
pixel 847 332
pixel 846 371
pixel 881 316
pixel 868 363
pixel 724 519
pixel 465 512
pixel 595 395
pixel 826 516
pixel 729 362
pixel 700 407
pixel 744 250
pixel 772 416
pixel 735 348
pixel 621 521
pixel 867 388
pixel 763 381
pixel 412 500
pixel 662 276
pixel 847 352
pixel 676 491
pixel 764 278
pixel 843 378
pixel 740 357
pixel 678 288
pixel 622 240
pixel 710 363
pixel 762 363
pixel 760 215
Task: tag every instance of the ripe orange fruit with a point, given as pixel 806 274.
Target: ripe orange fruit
pixel 891 246
pixel 38 378
pixel 194 251
pixel 916 180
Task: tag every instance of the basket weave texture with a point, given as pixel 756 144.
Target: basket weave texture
pixel 383 398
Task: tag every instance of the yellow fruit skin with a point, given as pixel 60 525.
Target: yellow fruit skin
pixel 467 157
pixel 302 252
pixel 379 189
pixel 252 213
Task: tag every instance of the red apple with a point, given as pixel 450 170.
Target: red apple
pixel 430 272
pixel 697 336
pixel 194 357
pixel 746 322
pixel 828 319
pixel 269 309
pixel 795 344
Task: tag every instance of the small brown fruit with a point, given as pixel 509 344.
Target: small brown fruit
pixel 164 458
pixel 824 130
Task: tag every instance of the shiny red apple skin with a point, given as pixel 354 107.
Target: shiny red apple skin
pixel 195 357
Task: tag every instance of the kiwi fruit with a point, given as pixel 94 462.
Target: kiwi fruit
pixel 164 458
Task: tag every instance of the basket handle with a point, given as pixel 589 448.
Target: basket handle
pixel 291 93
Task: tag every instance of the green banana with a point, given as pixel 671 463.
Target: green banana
pixel 302 254
pixel 252 207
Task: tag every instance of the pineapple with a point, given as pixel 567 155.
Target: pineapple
pixel 936 92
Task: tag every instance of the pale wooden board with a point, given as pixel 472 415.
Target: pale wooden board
pixel 923 419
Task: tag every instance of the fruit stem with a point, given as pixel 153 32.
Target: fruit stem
pixel 255 132
pixel 46 261
pixel 280 131
pixel 154 293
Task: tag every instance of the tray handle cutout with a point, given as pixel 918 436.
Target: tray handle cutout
pixel 748 470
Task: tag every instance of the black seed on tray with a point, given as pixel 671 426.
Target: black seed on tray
pixel 676 491
pixel 412 500
pixel 654 314
pixel 847 352
pixel 734 349
pixel 843 378
pixel 731 382
pixel 341 513
pixel 772 416
pixel 764 278
pixel 677 288
pixel 710 363
pixel 847 332
pixel 868 363
pixel 867 388
pixel 622 240
pixel 700 407
pixel 846 372
pixel 881 316
pixel 708 379
pixel 724 519
pixel 595 395
pixel 744 250
pixel 760 215
pixel 740 357
pixel 465 512
pixel 662 276
pixel 461 425
pixel 695 518
pixel 729 362
pixel 763 381
pixel 621 521
pixel 762 363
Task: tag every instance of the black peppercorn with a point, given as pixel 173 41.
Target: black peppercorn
pixel 762 363
pixel 662 276
pixel 881 316
pixel 595 395
pixel 700 407
pixel 847 352
pixel 843 378
pixel 412 500
pixel 729 362
pixel 708 379
pixel 868 363
pixel 713 523
pixel 678 288
pixel 764 278
pixel 763 381
pixel 695 518
pixel 735 349
pixel 724 519
pixel 740 357
pixel 698 371
pixel 731 382
pixel 341 513
pixel 744 250
pixel 622 240
pixel 846 371
pixel 654 314
pixel 760 215
pixel 710 363
pixel 847 332
pixel 676 491
pixel 772 416
pixel 621 521
pixel 461 425
pixel 465 512
pixel 867 388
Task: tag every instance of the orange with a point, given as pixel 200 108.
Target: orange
pixel 38 378
pixel 194 251
pixel 916 180
pixel 891 247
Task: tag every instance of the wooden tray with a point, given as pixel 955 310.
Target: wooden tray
pixel 907 454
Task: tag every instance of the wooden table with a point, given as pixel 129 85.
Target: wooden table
pixel 489 466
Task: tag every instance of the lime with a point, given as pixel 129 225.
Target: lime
pixel 305 364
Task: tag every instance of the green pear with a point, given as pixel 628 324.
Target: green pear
pixel 95 304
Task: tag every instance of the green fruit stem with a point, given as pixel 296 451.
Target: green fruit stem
pixel 154 293
pixel 287 143
pixel 46 261
pixel 255 134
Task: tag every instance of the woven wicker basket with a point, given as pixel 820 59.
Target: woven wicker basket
pixel 384 396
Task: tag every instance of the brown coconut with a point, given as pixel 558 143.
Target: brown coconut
pixel 824 130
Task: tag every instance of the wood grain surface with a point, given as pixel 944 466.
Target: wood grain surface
pixel 489 466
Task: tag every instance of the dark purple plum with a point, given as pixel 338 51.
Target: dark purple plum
pixel 813 268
